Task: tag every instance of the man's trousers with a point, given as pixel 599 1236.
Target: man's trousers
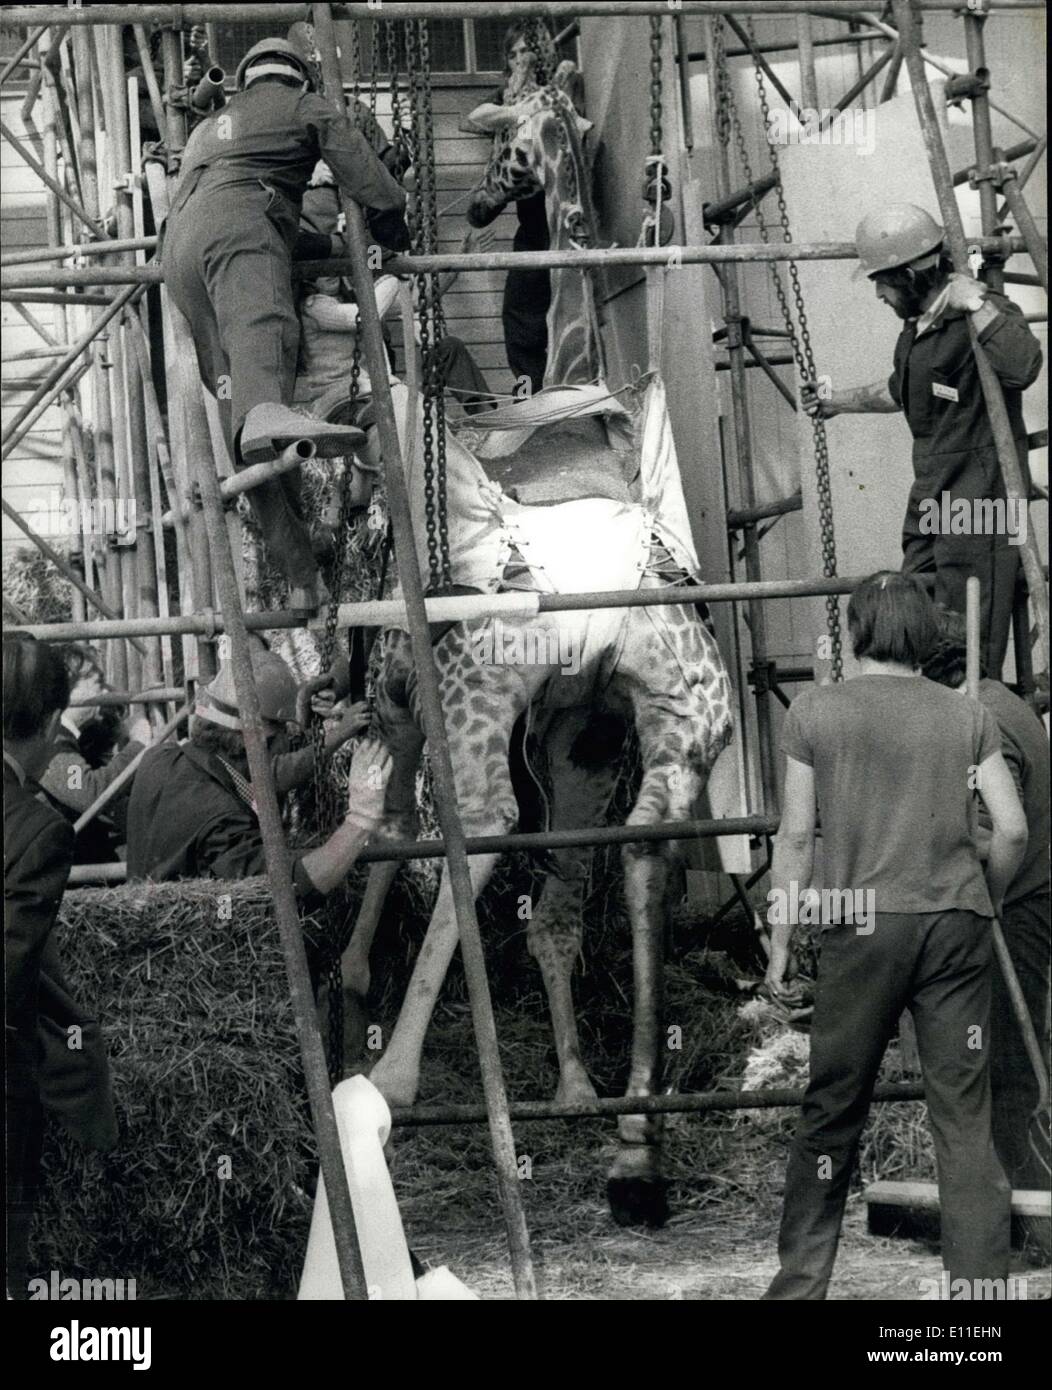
pixel 953 560
pixel 938 965
pixel 24 1137
pixel 1012 1081
pixel 227 266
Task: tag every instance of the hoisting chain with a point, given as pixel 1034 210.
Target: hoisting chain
pixel 336 920
pixel 434 384
pixel 398 135
pixel 803 352
pixel 420 235
pixel 356 73
pixel 658 225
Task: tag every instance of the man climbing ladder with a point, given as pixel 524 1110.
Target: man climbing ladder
pixel 227 262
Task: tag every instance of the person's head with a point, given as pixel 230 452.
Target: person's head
pixel 900 248
pixel 217 706
pixel 36 691
pixel 275 60
pixel 909 289
pixel 892 620
pixel 947 662
pixel 86 680
pixel 529 44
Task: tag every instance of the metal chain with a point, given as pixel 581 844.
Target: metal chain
pixel 356 73
pixel 391 56
pixel 433 378
pixel 805 362
pixel 800 341
pixel 335 918
pixel 656 103
pixel 418 235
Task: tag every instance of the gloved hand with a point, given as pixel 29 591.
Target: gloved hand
pixel 963 293
pixel 367 784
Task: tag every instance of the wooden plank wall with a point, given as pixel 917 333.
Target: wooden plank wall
pixel 472 305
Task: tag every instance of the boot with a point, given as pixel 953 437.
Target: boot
pixel 269 429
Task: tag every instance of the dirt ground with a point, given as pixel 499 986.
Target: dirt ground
pixel 698 1259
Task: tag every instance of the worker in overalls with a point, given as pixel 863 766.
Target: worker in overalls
pixel 935 383
pixel 227 261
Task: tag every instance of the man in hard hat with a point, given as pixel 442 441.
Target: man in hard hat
pixel 227 255
pixel 192 812
pixel 935 383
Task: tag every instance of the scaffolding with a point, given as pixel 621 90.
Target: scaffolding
pixel 106 320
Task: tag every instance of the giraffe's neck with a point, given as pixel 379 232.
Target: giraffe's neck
pixel 573 353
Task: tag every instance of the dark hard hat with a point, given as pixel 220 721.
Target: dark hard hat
pixel 280 50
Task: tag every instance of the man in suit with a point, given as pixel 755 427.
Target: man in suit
pixel 38 854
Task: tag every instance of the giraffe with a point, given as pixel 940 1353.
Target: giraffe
pixel 546 151
pixel 658 667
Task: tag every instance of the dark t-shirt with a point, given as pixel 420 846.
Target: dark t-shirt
pixel 892 757
pixel 1025 746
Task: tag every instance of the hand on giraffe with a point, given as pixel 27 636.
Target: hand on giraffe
pixel 367 784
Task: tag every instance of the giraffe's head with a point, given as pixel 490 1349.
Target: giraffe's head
pixel 542 152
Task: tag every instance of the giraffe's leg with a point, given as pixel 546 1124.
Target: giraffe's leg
pixel 583 774
pixel 481 703
pixel 671 781
pixel 405 743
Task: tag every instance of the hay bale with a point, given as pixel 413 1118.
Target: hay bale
pixel 190 984
pixel 35 587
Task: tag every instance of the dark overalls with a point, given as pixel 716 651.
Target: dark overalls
pixel 227 254
pixel 936 382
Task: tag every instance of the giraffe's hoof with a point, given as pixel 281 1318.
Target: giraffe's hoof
pixel 638 1201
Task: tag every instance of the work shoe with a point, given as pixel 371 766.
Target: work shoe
pixel 269 429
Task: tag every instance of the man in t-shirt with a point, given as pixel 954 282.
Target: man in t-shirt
pixel 1025 916
pixel 889 761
